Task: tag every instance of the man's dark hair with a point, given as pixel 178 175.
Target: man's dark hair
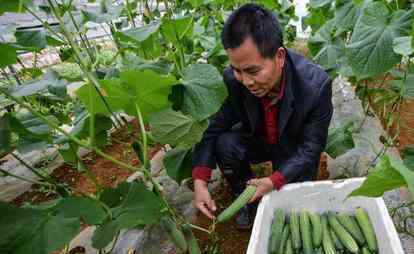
pixel 251 20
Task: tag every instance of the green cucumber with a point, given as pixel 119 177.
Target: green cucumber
pixel 294 230
pixel 351 225
pixel 367 229
pixel 289 248
pixel 285 236
pixel 241 201
pixel 335 240
pixel 343 235
pixel 175 235
pixel 365 250
pixel 192 243
pixel 327 242
pixel 305 230
pixel 277 229
pixel 316 229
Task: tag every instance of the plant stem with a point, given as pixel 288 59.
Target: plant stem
pixel 199 228
pixel 144 136
pixel 32 169
pixel 6 173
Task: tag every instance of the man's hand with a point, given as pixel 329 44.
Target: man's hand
pixel 202 199
pixel 264 185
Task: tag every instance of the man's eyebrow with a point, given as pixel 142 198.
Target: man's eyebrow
pixel 247 69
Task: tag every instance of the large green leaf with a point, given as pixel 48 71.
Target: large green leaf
pixel 330 48
pixel 25 230
pixel 139 207
pixel 174 30
pixel 8 54
pixel 148 89
pixel 178 163
pixel 33 40
pixel 340 141
pixel 175 128
pixel 370 50
pixel 90 210
pixel 387 175
pixel 204 91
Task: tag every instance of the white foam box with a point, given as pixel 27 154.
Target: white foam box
pixel 320 197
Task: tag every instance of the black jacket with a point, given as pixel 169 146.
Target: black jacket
pixel 303 119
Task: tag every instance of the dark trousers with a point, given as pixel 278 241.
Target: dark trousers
pixel 235 151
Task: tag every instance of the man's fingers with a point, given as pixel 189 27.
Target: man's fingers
pixel 255 197
pixel 212 205
pixel 204 210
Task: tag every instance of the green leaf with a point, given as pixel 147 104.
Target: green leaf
pixel 330 49
pixel 346 16
pixel 147 88
pixel 90 210
pixel 404 87
pixel 103 15
pixel 102 125
pixel 139 207
pixel 141 33
pixel 5 135
pixel 33 40
pixel 25 230
pixel 175 128
pixel 370 49
pixel 8 54
pixel 403 46
pixel 178 163
pixel 340 141
pixel 319 3
pixel 204 91
pixel 408 155
pixel 174 30
pixel 379 180
pixel 49 82
pixel 407 174
pixel 12 5
pixel 68 151
pixel 98 106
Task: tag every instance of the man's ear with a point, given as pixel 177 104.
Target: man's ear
pixel 280 57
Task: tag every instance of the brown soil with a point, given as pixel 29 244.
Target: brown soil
pixel 107 173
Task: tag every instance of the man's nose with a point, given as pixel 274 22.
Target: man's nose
pixel 247 80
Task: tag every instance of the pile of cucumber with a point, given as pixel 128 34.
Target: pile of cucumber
pixel 329 233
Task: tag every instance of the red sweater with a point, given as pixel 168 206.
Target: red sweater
pixel 271 132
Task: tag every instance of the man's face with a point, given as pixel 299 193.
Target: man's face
pixel 256 73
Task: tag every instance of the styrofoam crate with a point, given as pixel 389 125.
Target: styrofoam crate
pixel 319 197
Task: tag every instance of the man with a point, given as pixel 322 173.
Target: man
pixel 278 108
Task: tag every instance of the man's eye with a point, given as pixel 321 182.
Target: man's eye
pixel 255 72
